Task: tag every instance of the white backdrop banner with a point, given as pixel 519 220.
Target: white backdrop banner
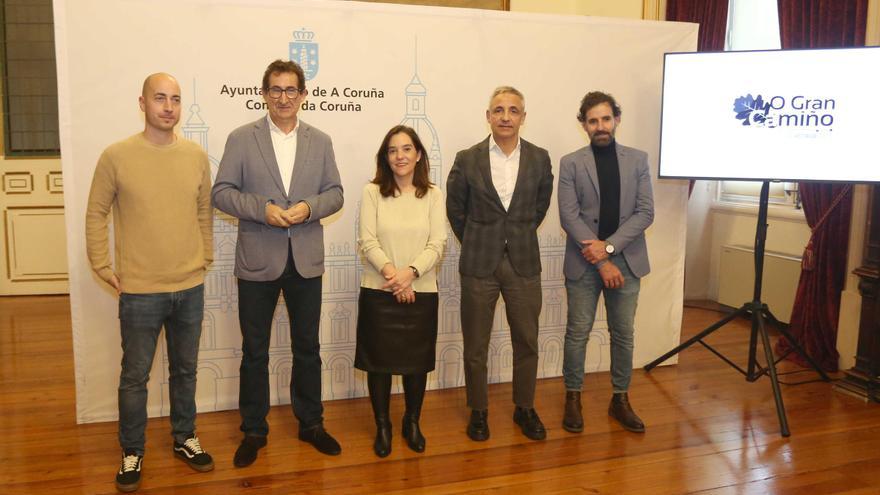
pixel 368 67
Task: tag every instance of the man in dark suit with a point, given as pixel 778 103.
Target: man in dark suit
pixel 497 194
pixel 278 176
pixel 605 205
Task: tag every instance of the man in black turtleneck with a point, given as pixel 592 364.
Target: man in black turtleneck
pixel 605 205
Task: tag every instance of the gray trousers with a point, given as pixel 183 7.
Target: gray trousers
pixel 522 298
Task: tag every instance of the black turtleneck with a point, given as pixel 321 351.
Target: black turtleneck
pixel 609 189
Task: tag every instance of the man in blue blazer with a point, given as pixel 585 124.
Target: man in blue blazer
pixel 497 194
pixel 605 205
pixel 278 176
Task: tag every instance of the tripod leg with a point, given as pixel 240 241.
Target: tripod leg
pixel 774 380
pixel 797 347
pixel 772 319
pixel 693 340
pixel 753 344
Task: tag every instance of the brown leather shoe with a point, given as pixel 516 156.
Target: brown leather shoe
pixel 620 410
pixel 573 421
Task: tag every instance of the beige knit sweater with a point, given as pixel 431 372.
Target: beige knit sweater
pixel 160 197
pixel 402 230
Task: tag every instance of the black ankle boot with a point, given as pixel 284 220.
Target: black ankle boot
pixel 379 385
pixel 414 386
pixel 412 433
pixel 382 445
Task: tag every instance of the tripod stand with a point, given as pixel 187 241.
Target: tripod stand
pixel 759 314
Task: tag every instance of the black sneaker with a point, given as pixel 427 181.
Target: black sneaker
pixel 128 479
pixel 190 452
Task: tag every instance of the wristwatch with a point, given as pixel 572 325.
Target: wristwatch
pixel 609 248
pixel 415 271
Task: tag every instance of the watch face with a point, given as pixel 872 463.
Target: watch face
pixel 609 249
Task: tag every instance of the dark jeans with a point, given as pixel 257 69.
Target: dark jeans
pixel 256 307
pixel 141 318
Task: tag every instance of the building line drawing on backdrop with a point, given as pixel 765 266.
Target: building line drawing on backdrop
pixel 219 361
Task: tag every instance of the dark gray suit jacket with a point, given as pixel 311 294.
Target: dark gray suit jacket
pixel 578 194
pixel 248 177
pixel 480 221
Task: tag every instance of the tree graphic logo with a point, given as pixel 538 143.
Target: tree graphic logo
pixel 751 110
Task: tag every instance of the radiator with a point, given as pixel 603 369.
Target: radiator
pixel 736 279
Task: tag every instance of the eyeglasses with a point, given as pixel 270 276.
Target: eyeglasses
pixel 291 92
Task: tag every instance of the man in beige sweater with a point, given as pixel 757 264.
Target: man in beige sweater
pixel 158 186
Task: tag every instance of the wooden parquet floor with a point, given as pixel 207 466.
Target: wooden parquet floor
pixel 708 431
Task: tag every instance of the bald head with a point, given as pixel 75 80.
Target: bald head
pixel 160 102
pixel 157 79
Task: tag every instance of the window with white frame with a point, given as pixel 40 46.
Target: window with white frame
pixel 754 25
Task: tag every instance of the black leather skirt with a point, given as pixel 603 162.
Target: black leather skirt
pixel 396 338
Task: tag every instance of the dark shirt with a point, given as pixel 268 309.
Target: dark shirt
pixel 609 189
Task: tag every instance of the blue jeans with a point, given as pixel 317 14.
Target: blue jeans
pixel 620 306
pixel 141 318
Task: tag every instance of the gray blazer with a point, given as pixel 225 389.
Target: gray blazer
pixel 248 177
pixel 578 194
pixel 481 223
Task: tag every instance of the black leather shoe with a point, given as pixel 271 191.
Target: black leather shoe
pixel 246 453
pixel 321 440
pixel 412 433
pixel 478 428
pixel 531 424
pixel 382 444
pixel 620 410
pixel 573 421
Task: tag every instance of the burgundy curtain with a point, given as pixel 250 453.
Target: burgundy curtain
pixel 711 15
pixel 823 272
pixel 822 23
pixel 827 207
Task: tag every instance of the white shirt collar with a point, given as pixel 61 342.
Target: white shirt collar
pixel 275 128
pixel 493 146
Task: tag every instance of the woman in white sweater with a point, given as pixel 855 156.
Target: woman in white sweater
pixel 401 235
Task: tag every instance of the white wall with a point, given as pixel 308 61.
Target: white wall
pixel 699 242
pixel 712 225
pixel 631 9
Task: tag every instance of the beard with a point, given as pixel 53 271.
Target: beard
pixel 601 139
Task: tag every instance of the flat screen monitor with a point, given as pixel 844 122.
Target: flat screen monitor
pixel 791 115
